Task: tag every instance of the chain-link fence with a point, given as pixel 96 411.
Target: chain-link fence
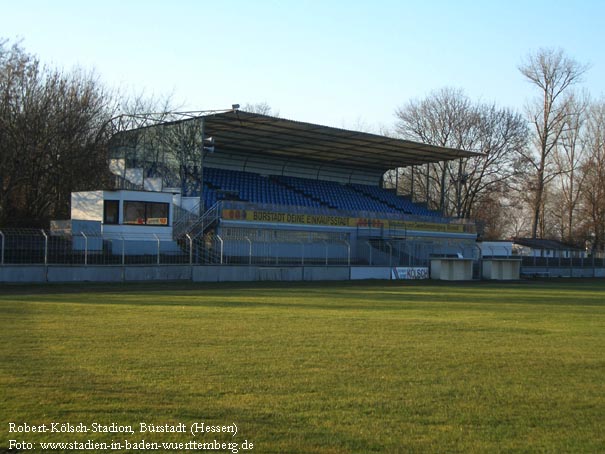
pixel 562 262
pixel 232 246
pixel 247 246
pixel 32 246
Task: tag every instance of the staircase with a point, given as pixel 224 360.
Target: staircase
pixel 189 224
pixel 195 237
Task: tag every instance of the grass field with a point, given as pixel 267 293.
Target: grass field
pixel 311 368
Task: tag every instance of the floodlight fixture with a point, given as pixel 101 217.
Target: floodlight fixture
pixel 209 144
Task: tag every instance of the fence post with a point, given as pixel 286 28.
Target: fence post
pixel 45 246
pixel 158 240
pixel 221 240
pixel 326 243
pixel 480 260
pixel 190 248
pixel 2 250
pixel 348 252
pixel 190 256
pixel 85 248
pixel 594 267
pixel 123 250
pixel 370 248
pixel 390 253
pixel 249 250
pixel 302 257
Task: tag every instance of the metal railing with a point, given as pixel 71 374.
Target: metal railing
pixel 192 224
pixel 248 246
pixel 562 262
pixel 42 247
pixel 184 219
pixel 32 246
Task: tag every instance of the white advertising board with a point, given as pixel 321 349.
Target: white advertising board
pixel 417 272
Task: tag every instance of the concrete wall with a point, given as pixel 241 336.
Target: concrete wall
pixel 228 273
pixel 157 273
pixel 326 273
pixel 246 273
pixel 22 274
pixel 542 271
pixel 367 272
pixel 84 274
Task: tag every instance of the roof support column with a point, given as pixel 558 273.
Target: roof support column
pixel 427 197
pixel 412 184
pixel 201 182
pixel 442 192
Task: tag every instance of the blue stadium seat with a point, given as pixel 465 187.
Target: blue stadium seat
pixel 302 192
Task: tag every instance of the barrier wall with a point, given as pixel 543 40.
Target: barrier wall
pixel 157 273
pixel 245 273
pixel 326 273
pixel 539 271
pixel 22 274
pixel 230 273
pixel 84 274
pixel 366 272
pixel 225 273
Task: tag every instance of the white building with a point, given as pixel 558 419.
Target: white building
pixel 141 219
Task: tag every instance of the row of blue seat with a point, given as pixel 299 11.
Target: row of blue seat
pixel 253 188
pixel 294 191
pixel 390 198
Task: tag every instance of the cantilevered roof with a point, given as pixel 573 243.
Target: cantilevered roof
pixel 261 134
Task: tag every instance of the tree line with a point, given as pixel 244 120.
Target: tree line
pixel 541 172
pixel 52 136
pixel 55 126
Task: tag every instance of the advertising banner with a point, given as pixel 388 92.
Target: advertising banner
pixel 277 217
pixel 418 272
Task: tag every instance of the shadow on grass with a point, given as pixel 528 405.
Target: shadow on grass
pixel 373 295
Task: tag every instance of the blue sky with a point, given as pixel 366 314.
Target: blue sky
pixel 339 63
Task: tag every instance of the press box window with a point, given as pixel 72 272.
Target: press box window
pixel 111 211
pixel 157 213
pixel 145 213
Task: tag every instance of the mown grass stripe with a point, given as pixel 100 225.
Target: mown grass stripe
pixel 316 367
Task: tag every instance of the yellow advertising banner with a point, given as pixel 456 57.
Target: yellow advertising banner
pixel 336 221
pixel 422 226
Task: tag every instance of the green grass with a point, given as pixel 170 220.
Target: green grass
pixel 313 368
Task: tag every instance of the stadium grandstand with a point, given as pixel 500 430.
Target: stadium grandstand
pixel 233 187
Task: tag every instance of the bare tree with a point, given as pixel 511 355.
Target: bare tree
pixel 260 108
pixel 444 118
pixel 593 193
pixel 553 74
pixel 16 69
pixel 569 156
pixel 448 118
pixel 53 132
